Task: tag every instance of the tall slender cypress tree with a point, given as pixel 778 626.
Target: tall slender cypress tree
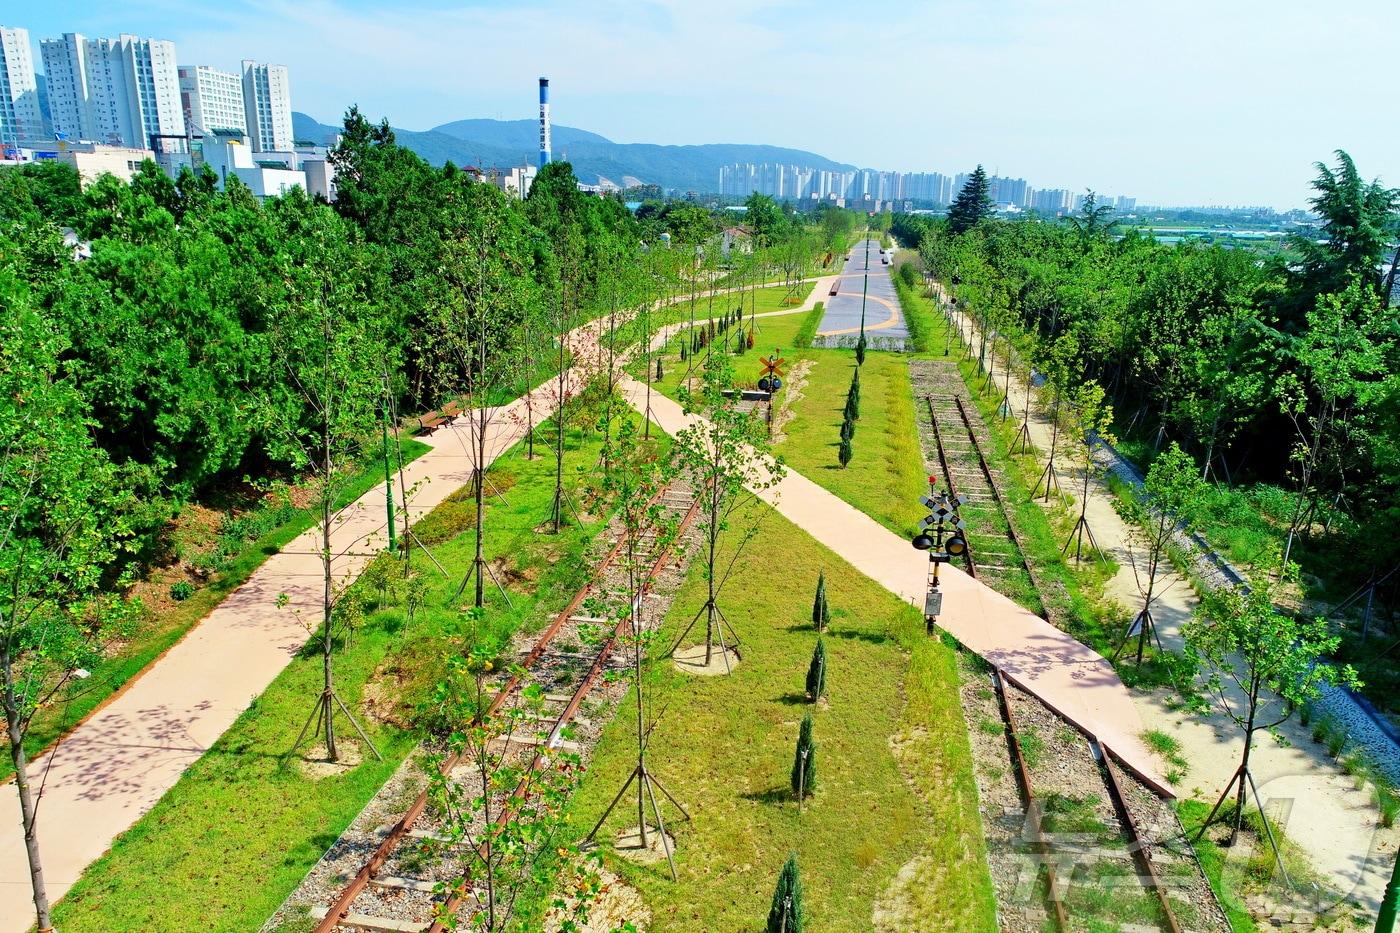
pixel 821 613
pixel 816 672
pixel 786 915
pixel 804 760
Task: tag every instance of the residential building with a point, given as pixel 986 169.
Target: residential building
pixel 267 104
pixel 211 100
pixel 20 116
pixel 121 92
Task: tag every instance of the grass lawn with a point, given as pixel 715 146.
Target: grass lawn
pixel 894 769
pixel 159 631
pixel 885 477
pixel 239 831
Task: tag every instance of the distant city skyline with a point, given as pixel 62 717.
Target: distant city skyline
pixel 1192 104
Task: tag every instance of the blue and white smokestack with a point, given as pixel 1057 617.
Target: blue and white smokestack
pixel 544 122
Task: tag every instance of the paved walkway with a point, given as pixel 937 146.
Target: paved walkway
pixel 1319 807
pixel 883 317
pixel 1068 676
pixel 119 762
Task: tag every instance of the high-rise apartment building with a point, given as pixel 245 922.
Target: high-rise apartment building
pixel 20 116
pixel 119 91
pixel 267 103
pixel 211 100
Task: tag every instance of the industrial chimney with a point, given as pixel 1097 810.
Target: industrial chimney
pixel 544 122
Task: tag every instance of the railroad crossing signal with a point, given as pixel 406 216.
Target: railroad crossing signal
pixel 772 365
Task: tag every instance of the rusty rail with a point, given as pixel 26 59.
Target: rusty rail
pixel 1142 853
pixel 341 908
pixel 461 890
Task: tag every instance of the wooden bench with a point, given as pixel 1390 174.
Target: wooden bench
pixel 433 420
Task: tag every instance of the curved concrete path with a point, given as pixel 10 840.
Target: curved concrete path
pixel 120 761
pixel 844 309
pixel 1066 675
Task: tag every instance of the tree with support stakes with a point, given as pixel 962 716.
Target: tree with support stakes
pixel 1060 371
pixel 634 485
pixel 821 612
pixel 317 416
pixel 804 762
pixel 786 914
pixel 64 518
pixel 508 820
pixel 722 454
pixel 1172 493
pixel 816 673
pixel 1093 421
pixel 495 287
pixel 1261 665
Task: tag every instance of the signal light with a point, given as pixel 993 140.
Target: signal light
pixel 956 545
pixel 922 542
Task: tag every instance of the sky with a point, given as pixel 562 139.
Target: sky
pixel 1175 102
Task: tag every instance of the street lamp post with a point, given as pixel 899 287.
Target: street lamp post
pixel 943 519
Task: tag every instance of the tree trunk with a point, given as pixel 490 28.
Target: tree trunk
pixel 326 612
pixel 1244 760
pixel 27 805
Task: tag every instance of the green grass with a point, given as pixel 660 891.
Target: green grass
pixel 244 824
pixel 1212 859
pixel 812 320
pixel 885 478
pixel 726 743
pixel 157 633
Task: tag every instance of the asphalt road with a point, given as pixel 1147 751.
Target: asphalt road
pixel 882 315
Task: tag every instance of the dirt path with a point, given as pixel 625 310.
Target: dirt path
pixel 1319 806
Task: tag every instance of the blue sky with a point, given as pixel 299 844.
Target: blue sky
pixel 1182 102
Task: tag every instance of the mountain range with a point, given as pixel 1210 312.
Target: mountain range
pixel 506 143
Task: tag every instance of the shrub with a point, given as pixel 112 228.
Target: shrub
pixel 810 322
pixel 181 590
pixel 843 453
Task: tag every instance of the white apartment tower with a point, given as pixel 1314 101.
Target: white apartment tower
pixel 20 117
pixel 211 100
pixel 118 91
pixel 267 101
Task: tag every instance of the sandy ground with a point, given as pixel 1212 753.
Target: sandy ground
pixel 1302 786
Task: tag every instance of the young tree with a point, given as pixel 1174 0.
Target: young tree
pixel 1172 499
pixel 721 452
pixel 804 761
pixel 821 612
pixel 477 330
pixel 1261 664
pixel 786 914
pixel 844 452
pixel 1093 421
pixel 322 409
pixel 634 484
pixel 972 205
pixel 62 525
pixel 501 799
pixel 816 672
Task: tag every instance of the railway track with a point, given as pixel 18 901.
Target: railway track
pixel 399 886
pixel 995 553
pixel 1107 850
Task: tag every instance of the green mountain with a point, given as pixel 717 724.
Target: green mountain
pixel 501 143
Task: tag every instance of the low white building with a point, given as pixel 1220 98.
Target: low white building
pixel 267 174
pixel 93 160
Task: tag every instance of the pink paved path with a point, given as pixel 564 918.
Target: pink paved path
pixel 118 763
pixel 1068 676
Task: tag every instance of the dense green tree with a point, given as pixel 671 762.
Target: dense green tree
pixel 821 611
pixel 973 203
pixel 62 523
pixel 804 761
pixel 816 672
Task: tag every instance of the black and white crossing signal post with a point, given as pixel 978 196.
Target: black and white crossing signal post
pixel 941 534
